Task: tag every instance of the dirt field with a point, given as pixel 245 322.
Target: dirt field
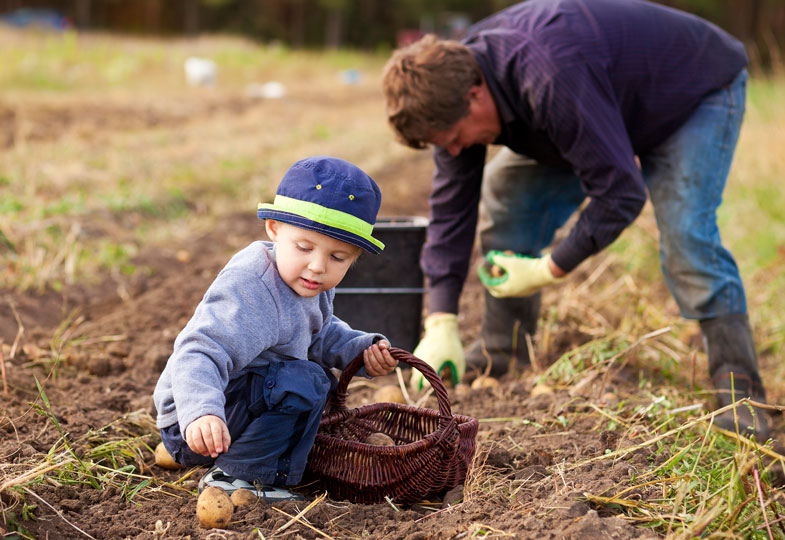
pixel 76 455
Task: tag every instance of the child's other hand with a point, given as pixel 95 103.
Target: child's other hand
pixel 378 360
pixel 208 436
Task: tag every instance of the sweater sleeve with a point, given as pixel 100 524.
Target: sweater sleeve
pixel 337 344
pixel 234 322
pixel 453 219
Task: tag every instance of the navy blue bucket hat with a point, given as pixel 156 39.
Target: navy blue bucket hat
pixel 330 196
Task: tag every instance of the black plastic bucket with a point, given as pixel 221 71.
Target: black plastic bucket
pixel 384 293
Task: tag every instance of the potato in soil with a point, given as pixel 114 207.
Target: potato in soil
pixel 541 389
pixel 484 381
pixel 390 393
pixel 214 508
pixel 242 497
pixel 163 459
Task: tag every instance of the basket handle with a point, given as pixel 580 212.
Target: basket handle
pixel 337 401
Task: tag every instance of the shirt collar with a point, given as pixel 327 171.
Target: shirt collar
pixel 506 114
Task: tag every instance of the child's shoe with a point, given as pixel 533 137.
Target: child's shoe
pixel 216 477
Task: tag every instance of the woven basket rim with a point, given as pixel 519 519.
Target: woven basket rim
pixel 359 412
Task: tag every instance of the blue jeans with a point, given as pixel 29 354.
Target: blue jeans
pixel 523 203
pixel 272 414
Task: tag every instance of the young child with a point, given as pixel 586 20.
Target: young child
pixel 248 379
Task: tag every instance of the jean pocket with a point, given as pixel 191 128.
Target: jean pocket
pixel 289 386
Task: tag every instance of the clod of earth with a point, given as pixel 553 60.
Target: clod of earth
pixel 379 439
pixel 214 508
pixel 163 459
pixel 389 394
pixel 243 497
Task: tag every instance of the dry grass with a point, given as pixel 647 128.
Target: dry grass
pixel 76 207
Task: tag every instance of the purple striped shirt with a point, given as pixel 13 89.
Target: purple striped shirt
pixel 583 84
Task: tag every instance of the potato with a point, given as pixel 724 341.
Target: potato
pixel 242 497
pixel 494 270
pixel 379 439
pixel 214 508
pixel 484 381
pixel 390 393
pixel 163 459
pixel 540 389
pixel 610 399
pixel 462 390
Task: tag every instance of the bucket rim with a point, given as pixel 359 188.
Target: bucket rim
pixel 401 222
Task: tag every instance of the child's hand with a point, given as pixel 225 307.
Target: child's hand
pixel 378 360
pixel 208 436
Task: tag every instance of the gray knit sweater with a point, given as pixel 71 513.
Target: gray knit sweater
pixel 247 317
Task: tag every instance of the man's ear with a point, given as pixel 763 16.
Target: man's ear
pixel 474 93
pixel 271 228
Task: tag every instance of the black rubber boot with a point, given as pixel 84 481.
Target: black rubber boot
pixel 505 323
pixel 733 367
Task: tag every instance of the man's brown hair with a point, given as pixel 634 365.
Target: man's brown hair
pixel 425 87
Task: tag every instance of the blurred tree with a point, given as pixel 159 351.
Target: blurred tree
pixel 760 24
pixel 336 12
pixel 371 24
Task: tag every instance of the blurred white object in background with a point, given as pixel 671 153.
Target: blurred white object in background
pixel 200 71
pixel 268 90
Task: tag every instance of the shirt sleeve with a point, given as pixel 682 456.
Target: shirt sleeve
pixel 337 344
pixel 453 222
pixel 577 109
pixel 234 322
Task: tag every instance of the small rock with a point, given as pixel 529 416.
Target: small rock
pixel 577 509
pixel 532 472
pixel 453 497
pixel 499 457
pixel 100 366
pixel 119 348
pixel 72 505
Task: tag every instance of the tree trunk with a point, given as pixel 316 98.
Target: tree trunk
pixel 297 25
pixel 191 17
pixel 82 11
pixel 334 28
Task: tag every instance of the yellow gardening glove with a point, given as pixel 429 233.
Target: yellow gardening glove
pixel 511 274
pixel 439 347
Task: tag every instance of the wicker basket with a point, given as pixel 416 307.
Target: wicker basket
pixel 433 451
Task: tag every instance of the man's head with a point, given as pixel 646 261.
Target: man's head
pixel 435 93
pixel 322 218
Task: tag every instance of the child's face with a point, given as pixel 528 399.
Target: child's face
pixel 308 261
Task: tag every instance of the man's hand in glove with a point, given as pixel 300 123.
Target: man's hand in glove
pixel 507 274
pixel 440 347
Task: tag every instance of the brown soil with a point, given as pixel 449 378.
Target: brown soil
pixel 523 484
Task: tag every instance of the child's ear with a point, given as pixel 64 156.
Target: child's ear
pixel 271 228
